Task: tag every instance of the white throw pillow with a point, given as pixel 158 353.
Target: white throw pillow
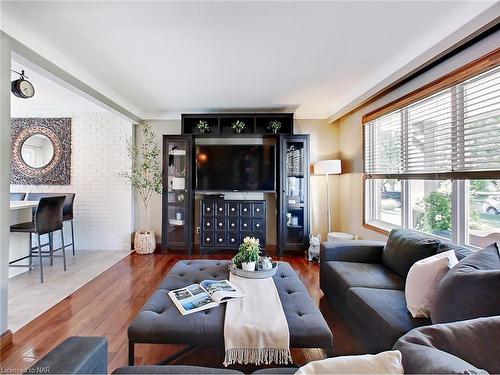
pixel 383 363
pixel 423 279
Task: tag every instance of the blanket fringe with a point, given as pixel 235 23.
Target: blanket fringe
pixel 258 356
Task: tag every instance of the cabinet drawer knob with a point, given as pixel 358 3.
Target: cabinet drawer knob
pixel 258 210
pixel 232 239
pixel 208 239
pixel 244 225
pixel 208 224
pixel 244 210
pixel 258 225
pixel 208 209
pixel 232 224
pixel 220 224
pixel 220 239
pixel 220 208
pixel 232 209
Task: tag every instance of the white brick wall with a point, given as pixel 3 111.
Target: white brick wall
pixel 103 203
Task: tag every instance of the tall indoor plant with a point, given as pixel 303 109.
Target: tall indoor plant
pixel 146 177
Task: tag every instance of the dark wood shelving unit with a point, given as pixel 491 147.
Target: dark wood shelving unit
pixel 220 124
pixel 292 187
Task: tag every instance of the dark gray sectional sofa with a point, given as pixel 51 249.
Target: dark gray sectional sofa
pixel 365 282
pixel 466 347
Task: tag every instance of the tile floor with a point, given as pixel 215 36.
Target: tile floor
pixel 28 298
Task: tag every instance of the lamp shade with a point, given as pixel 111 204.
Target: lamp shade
pixel 327 167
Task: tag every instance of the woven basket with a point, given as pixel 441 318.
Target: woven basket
pixel 144 241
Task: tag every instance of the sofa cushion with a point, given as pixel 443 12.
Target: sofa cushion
pixel 423 280
pixel 174 369
pixel 344 275
pixel 388 362
pixel 465 347
pixel 276 371
pixel 470 289
pixel 460 251
pixel 384 312
pixel 405 247
pixel 75 355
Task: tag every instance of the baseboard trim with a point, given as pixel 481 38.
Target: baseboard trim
pixel 5 340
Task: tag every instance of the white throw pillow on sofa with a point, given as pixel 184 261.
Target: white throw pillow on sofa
pixel 423 279
pixel 383 363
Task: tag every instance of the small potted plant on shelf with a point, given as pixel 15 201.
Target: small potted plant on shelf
pixel 274 125
pixel 238 126
pixel 248 254
pixel 202 127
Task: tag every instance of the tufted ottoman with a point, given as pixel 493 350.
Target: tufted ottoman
pixel 160 322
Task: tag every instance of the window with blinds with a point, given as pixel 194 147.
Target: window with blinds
pixel 451 134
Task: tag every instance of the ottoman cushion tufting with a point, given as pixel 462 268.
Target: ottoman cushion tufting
pixel 160 321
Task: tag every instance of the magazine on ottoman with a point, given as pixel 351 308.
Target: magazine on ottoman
pixel 203 296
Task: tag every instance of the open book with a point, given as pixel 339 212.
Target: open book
pixel 208 294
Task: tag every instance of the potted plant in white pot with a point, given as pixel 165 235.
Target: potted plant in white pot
pixel 248 254
pixel 203 127
pixel 238 126
pixel 146 176
pixel 274 125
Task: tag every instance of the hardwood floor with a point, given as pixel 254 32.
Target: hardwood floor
pixel 108 304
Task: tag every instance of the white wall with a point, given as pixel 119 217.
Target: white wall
pixel 103 205
pixel 324 145
pixel 351 136
pixel 5 58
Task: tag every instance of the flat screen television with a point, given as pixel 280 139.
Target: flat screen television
pixel 235 168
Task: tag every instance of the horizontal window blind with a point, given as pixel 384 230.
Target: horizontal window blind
pixel 479 147
pixel 454 133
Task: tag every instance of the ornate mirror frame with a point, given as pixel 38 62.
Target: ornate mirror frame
pixel 58 170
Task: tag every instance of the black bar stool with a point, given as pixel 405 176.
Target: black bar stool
pixel 68 216
pixel 17 196
pixel 67 211
pixel 48 219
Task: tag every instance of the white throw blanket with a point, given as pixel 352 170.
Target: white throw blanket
pixel 255 327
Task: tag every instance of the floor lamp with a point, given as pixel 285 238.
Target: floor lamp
pixel 328 167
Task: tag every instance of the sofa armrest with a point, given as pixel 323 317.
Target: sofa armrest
pixel 352 251
pixel 465 347
pixel 76 355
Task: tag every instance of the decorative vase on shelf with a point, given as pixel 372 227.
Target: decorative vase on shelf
pixel 202 131
pixel 275 131
pixel 238 131
pixel 248 266
pixel 144 241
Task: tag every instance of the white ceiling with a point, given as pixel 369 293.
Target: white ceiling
pixel 158 59
pixel 50 98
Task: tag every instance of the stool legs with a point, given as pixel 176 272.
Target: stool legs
pixel 63 248
pixel 51 248
pixel 40 257
pixel 72 237
pixel 31 253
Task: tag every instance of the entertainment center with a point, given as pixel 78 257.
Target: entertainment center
pixel 225 171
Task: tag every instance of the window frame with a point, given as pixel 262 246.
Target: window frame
pixel 459 198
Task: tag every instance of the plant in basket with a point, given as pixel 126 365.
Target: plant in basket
pixel 146 176
pixel 248 254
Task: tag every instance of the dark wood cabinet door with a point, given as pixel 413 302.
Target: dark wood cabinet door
pixel 177 197
pixel 293 220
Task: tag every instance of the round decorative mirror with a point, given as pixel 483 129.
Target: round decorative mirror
pixel 41 151
pixel 37 151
